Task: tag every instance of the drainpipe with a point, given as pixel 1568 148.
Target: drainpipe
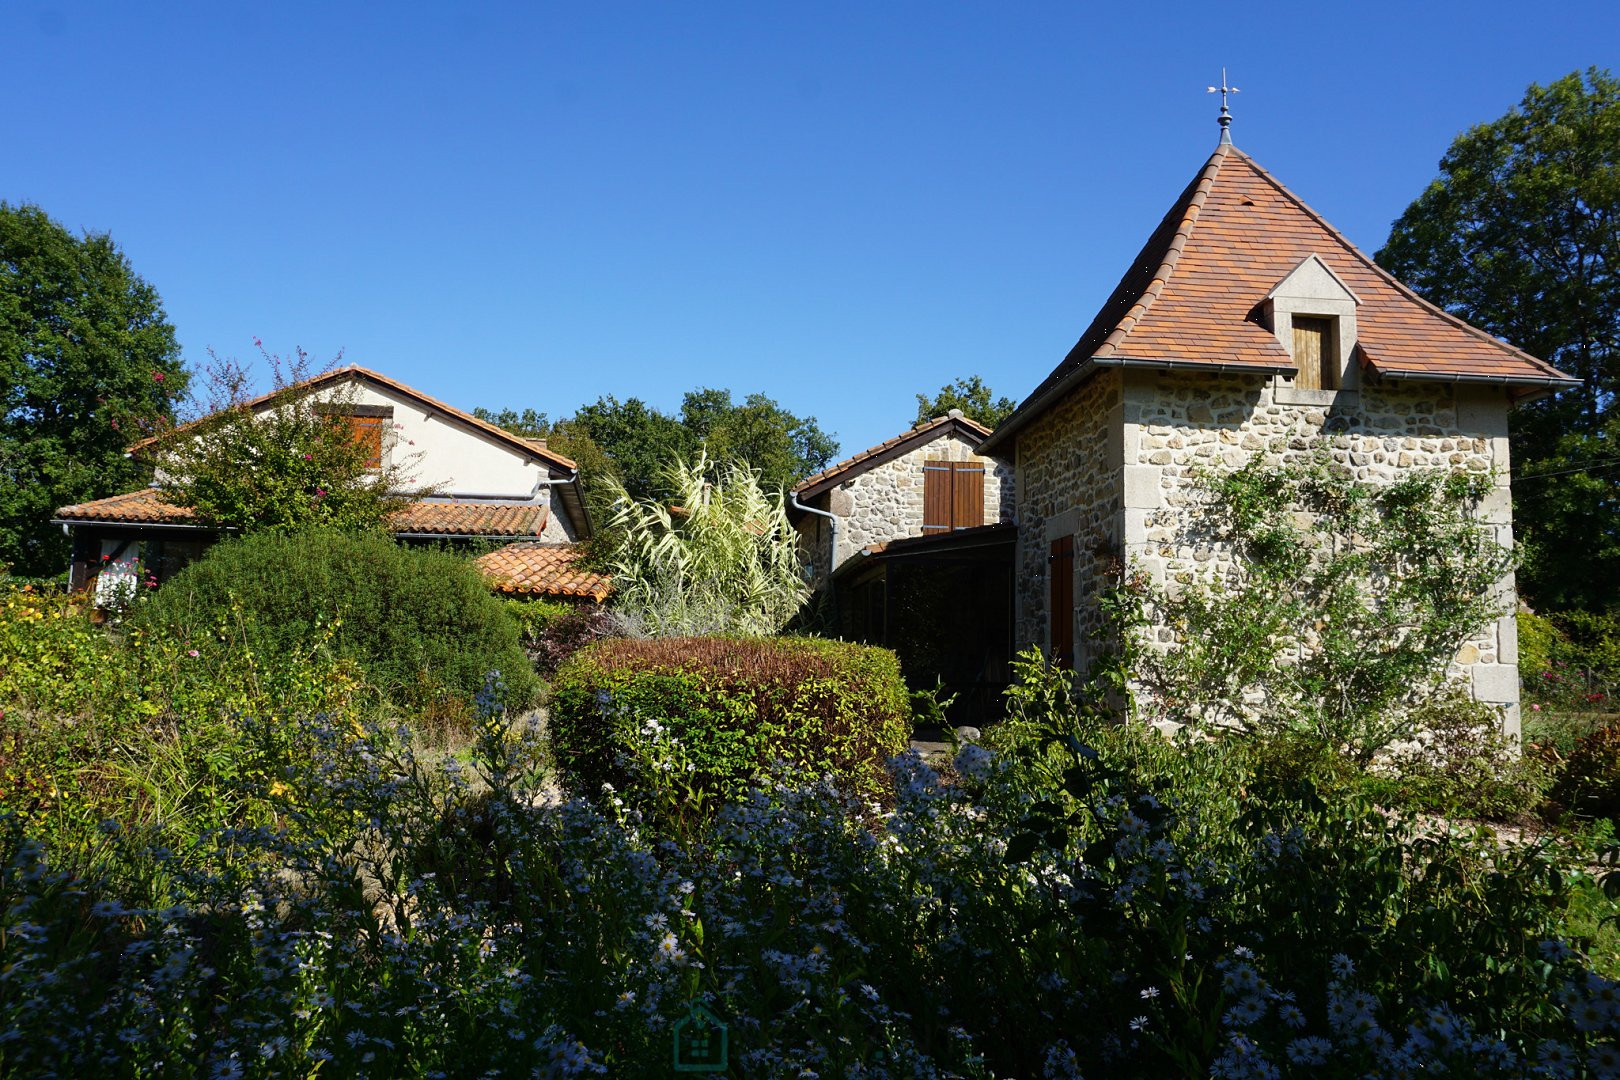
pixel 832 558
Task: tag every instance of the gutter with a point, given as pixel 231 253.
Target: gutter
pixel 1542 387
pixel 832 558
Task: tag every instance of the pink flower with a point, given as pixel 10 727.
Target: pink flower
pixel 157 376
pixel 1535 708
pixel 191 652
pixel 308 457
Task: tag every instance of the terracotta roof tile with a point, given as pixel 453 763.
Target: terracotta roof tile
pixel 148 507
pixel 1191 296
pixel 535 569
pixel 875 455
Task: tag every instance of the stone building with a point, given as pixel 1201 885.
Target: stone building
pixel 909 545
pixel 1246 327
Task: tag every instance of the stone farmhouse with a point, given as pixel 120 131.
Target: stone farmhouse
pixel 488 484
pixel 1246 327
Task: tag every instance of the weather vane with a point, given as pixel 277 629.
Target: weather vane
pixel 1226 113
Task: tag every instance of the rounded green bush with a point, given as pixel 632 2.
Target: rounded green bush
pixel 733 706
pixel 416 620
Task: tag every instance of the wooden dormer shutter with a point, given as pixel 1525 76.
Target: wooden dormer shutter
pixel 953 495
pixel 368 432
pixel 1313 353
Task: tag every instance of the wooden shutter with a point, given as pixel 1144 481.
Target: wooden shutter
pixel 1313 354
pixel 953 495
pixel 368 432
pixel 1060 593
pixel 937 497
pixel 967 496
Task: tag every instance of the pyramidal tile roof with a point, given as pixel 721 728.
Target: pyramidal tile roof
pixel 1192 297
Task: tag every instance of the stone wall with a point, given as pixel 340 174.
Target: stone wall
pixel 1069 470
pixel 885 502
pixel 1177 424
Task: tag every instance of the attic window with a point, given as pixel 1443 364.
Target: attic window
pixel 1314 354
pixel 365 425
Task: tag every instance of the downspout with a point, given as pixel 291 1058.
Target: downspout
pixel 832 555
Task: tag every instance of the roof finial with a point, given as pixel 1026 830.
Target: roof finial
pixel 1226 113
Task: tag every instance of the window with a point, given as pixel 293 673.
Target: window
pixel 1060 600
pixel 1314 354
pixel 953 495
pixel 368 432
pixel 365 425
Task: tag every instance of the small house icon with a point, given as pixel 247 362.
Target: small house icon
pixel 701 1041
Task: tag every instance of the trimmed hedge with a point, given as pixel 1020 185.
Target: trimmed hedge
pixel 734 706
pixel 416 620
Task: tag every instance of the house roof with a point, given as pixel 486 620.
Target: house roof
pixel 528 568
pixel 1191 298
pixel 901 444
pixel 535 448
pixel 531 449
pixel 424 517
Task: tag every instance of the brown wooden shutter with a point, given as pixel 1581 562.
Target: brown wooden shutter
pixel 937 500
pixel 967 497
pixel 368 432
pixel 1060 591
pixel 1313 353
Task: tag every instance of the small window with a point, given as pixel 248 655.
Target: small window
pixel 368 432
pixel 1314 354
pixel 365 424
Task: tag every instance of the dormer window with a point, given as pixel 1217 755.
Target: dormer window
pixel 1313 313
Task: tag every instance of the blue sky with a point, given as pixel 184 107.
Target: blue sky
pixel 838 204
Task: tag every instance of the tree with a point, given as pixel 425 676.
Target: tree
pixel 782 447
pixel 970 395
pixel 295 461
pixel 726 562
pixel 633 444
pixel 88 365
pixel 641 442
pixel 1519 236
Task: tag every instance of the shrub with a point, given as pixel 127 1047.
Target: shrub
pixel 1588 784
pixel 415 619
pixel 1462 765
pixel 729 707
pixel 553 631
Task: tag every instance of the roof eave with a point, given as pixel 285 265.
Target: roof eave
pixel 1037 406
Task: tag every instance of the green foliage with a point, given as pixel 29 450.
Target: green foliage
pixel 1588 784
pixel 289 463
pixel 722 559
pixel 415 620
pixel 1462 765
pixel 88 365
pixel 1084 898
pixel 97 725
pixel 730 707
pixel 1351 601
pixel 970 395
pixel 631 444
pixel 1517 236
pixel 781 447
